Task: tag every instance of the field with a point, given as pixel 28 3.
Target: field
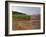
pixel 25 22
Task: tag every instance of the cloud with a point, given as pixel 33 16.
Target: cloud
pixel 27 10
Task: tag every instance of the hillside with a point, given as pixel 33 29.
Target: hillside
pixel 15 12
pixel 19 15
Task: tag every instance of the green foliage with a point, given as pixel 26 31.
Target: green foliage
pixel 21 16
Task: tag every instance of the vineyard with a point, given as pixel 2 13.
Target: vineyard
pixel 25 22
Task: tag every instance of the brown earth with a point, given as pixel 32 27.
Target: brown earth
pixel 24 24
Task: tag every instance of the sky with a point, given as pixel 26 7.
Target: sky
pixel 26 10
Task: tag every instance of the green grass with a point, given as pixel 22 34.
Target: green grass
pixel 22 16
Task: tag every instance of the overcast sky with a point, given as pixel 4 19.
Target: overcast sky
pixel 26 10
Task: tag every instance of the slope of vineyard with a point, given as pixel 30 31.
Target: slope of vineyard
pixel 22 21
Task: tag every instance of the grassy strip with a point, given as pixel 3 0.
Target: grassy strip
pixel 22 16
